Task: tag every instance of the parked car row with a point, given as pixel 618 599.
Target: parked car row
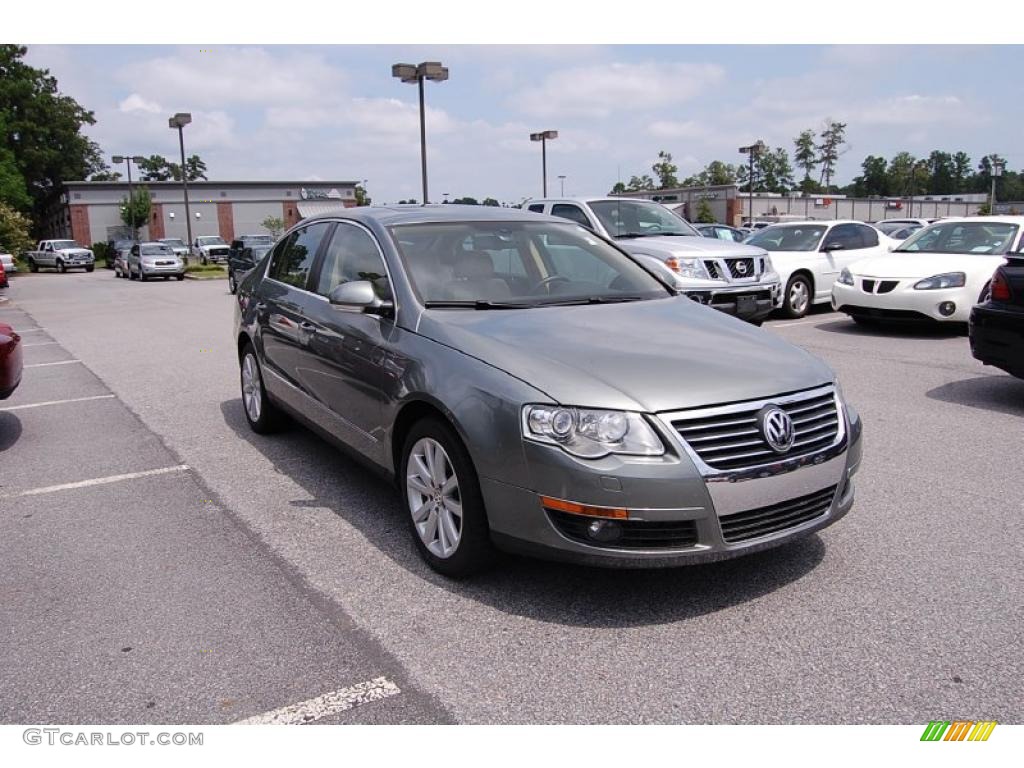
pixel 149 260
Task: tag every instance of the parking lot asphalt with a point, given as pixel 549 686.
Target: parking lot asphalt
pixel 906 610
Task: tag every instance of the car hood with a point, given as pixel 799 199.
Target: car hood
pixel 664 247
pixel 648 356
pixel 75 251
pixel 918 265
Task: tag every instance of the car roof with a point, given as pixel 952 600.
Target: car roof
pixel 151 242
pixel 422 214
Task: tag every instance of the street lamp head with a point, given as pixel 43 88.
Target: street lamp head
pixel 404 72
pixel 180 119
pixel 117 159
pixel 432 70
pixel 543 135
pixel 138 159
pixel 997 167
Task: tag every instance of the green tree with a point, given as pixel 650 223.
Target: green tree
pixel 195 168
pixel 42 128
pixel 874 181
pixel 106 175
pixel 274 225
pixel 638 183
pixel 806 155
pixel 704 214
pixel 830 147
pixel 14 231
pixel 920 178
pixel 900 174
pixel 135 212
pixel 940 171
pixel 774 171
pixel 362 198
pixel 466 201
pixel 666 171
pixel 490 201
pixel 13 191
pixel 618 189
pixel 962 172
pixel 155 168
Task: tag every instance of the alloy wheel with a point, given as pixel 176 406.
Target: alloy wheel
pixel 251 389
pixel 432 490
pixel 798 296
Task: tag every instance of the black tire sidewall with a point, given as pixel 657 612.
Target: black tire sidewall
pixel 475 551
pixel 270 418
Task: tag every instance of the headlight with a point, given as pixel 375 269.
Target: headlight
pixel 845 278
pixel 947 280
pixel 591 434
pixel 687 267
pixel 769 270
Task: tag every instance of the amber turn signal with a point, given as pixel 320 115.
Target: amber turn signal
pixel 573 508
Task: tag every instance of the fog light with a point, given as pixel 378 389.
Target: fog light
pixel 947 308
pixel 605 531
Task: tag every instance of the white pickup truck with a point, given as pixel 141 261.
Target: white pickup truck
pixel 62 255
pixel 208 249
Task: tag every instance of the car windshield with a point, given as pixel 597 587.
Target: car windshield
pixel 793 237
pixel 499 264
pixel 154 250
pixel 637 218
pixel 173 243
pixel 990 238
pixel 211 241
pixel 59 245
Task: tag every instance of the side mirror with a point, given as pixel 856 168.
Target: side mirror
pixel 833 247
pixel 359 296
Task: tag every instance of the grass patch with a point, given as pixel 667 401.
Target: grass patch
pixel 212 268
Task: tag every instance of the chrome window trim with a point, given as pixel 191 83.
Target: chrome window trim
pixel 775 465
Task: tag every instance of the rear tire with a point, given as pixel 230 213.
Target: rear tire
pixel 232 286
pixel 179 278
pixel 167 277
pixel 429 508
pixel 142 276
pixel 797 299
pixel 263 416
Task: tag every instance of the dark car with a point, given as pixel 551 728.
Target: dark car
pixel 531 386
pixel 997 325
pixel 118 246
pixel 242 260
pixel 10 361
pixel 244 241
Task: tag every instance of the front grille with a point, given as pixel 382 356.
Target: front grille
pixel 885 286
pixel 869 286
pixel 777 517
pixel 712 268
pixel 636 534
pixel 740 268
pixel 731 439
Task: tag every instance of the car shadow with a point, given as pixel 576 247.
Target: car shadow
pixel 895 330
pixel 10 429
pixel 995 392
pixel 556 593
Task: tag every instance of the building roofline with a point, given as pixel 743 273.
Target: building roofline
pixel 285 183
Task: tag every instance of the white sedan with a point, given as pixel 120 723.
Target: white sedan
pixel 938 273
pixel 810 255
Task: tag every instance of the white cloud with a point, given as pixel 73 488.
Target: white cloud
pixel 919 110
pixel 600 90
pixel 136 103
pixel 670 129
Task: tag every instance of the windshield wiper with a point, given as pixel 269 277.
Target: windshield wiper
pixel 476 304
pixel 634 234
pixel 591 300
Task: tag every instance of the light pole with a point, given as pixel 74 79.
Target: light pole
pixel 417 73
pixel 997 171
pixel 179 121
pixel 128 160
pixel 753 151
pixel 561 180
pixel 543 137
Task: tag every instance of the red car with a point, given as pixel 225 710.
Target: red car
pixel 3 276
pixel 10 361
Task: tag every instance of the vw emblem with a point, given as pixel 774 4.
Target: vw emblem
pixel 777 428
pixel 741 267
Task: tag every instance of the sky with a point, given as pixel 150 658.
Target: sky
pixel 334 113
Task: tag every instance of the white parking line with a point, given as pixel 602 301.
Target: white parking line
pixel 59 362
pixel 54 402
pixel 29 330
pixel 39 344
pixel 329 704
pixel 97 481
pixel 785 324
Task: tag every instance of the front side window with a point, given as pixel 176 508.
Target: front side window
pixel 868 237
pixel 845 235
pixel 536 208
pixel 524 264
pixel 352 255
pixel 293 260
pixel 572 213
pixel 802 237
pixel 986 238
pixel 638 218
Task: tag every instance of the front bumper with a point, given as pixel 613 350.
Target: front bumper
pixel 693 518
pixel 901 302
pixel 749 302
pixel 163 269
pixel 997 338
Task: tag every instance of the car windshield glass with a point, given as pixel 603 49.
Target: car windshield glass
pixel 211 241
pixel 59 245
pixel 173 243
pixel 982 237
pixel 490 264
pixel 802 237
pixel 155 250
pixel 638 218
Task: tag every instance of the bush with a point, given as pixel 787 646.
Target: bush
pixel 99 250
pixel 205 268
pixel 14 231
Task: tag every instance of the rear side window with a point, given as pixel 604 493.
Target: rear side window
pixel 845 235
pixel 294 257
pixel 868 236
pixel 536 208
pixel 572 213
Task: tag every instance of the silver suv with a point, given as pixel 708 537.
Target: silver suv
pixel 731 277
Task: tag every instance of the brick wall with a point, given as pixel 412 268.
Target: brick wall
pixel 226 222
pixel 290 214
pixel 80 225
pixel 156 222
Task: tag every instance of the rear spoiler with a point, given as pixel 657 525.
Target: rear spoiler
pixel 1016 258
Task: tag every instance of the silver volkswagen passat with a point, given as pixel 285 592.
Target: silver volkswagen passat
pixel 531 387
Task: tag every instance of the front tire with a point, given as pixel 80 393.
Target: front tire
pixel 263 416
pixel 60 266
pixel 90 268
pixel 142 276
pixel 444 505
pixel 232 285
pixel 179 278
pixel 797 299
pixel 32 266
